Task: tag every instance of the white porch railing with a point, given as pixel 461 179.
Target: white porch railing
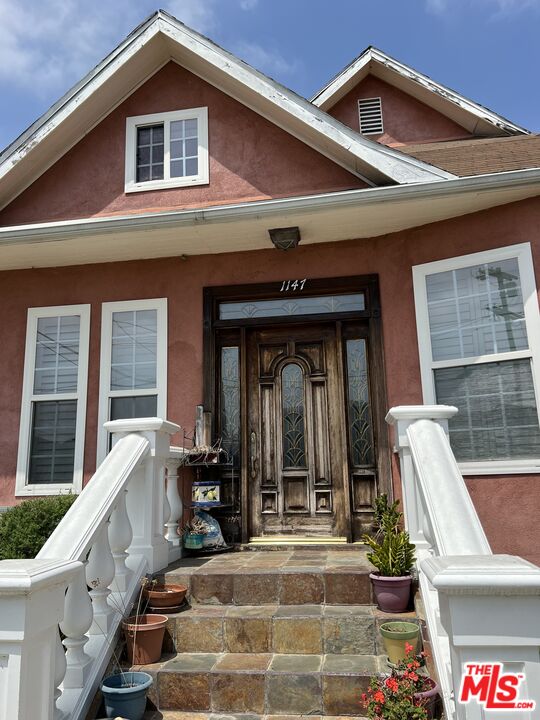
pixel 480 607
pixel 86 576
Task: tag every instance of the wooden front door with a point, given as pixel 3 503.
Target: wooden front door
pixel 297 439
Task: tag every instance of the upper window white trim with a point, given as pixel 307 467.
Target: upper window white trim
pixel 29 397
pixel 521 252
pixel 133 123
pixel 105 393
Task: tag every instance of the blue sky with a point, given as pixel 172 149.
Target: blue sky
pixel 486 49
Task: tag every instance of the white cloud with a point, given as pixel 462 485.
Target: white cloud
pixel 269 61
pixel 198 14
pixel 248 4
pixel 496 8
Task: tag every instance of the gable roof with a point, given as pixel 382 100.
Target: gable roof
pixel 160 39
pixel 475 118
pixel 480 155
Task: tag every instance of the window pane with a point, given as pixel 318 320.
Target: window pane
pixel 230 401
pixel 476 310
pixel 359 414
pixel 184 145
pixel 134 350
pixel 292 306
pixel 57 354
pixel 133 407
pixel 497 417
pixel 292 398
pixel 52 444
pixel 150 153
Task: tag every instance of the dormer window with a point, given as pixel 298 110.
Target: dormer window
pixel 371 119
pixel 167 150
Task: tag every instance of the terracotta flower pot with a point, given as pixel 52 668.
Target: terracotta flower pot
pixel 392 593
pixel 165 596
pixel 395 636
pixel 144 635
pixel 429 697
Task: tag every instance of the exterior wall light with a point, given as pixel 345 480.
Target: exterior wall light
pixel 285 238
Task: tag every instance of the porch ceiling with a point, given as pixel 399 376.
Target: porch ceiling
pixel 322 218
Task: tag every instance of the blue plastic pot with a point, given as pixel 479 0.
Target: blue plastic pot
pixel 126 702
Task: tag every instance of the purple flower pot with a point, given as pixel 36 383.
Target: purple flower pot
pixel 429 698
pixel 392 593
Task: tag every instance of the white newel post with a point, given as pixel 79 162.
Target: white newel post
pixel 490 608
pixel 32 596
pixel 174 504
pixel 401 418
pixel 145 498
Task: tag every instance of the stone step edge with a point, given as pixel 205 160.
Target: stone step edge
pixel 187 715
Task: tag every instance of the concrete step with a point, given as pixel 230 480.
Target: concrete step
pixel 293 577
pixel 180 715
pixel 263 683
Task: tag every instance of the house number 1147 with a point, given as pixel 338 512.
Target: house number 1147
pixel 287 285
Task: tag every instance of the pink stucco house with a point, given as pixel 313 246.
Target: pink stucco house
pixel 141 220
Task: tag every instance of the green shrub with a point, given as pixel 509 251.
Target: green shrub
pixel 25 527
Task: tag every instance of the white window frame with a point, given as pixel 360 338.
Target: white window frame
pixel 22 486
pixel 105 393
pixel 370 99
pixel 522 252
pixel 133 123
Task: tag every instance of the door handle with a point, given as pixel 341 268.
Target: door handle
pixel 253 456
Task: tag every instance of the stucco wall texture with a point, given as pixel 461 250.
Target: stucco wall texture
pixel 250 159
pixel 405 119
pixel 509 507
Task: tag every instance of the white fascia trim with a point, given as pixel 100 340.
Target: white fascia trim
pixel 385 161
pixel 324 97
pixel 22 488
pixel 105 393
pixel 53 231
pixel 523 253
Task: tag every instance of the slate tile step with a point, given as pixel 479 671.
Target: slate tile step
pixel 263 683
pixel 179 715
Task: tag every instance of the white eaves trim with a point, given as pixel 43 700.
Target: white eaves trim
pixel 162 38
pixel 53 231
pixel 373 59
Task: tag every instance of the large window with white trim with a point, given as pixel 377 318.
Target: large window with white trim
pixel 479 330
pixel 53 408
pixel 167 150
pixel 133 373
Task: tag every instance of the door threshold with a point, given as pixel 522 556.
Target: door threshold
pixel 296 540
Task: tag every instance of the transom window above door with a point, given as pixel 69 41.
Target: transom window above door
pixel 479 331
pixel 167 150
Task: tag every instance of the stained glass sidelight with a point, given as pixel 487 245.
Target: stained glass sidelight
pixel 292 398
pixel 359 413
pixel 230 401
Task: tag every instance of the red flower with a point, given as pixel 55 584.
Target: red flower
pixel 408 648
pixel 413 676
pixel 379 697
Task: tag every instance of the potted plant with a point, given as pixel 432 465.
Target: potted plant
pixel 397 636
pixel 144 633
pixel 393 555
pixel 404 694
pixel 124 694
pixel 193 533
pixel 164 596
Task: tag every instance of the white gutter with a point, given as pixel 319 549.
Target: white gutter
pixel 50 232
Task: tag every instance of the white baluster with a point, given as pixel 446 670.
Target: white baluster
pixel 78 617
pixel 176 509
pixel 59 672
pixel 120 537
pixel 99 575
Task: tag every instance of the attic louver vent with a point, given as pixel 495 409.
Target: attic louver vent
pixel 370 111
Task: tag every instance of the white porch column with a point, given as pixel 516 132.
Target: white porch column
pixel 401 417
pixel 145 497
pixel 175 504
pixel 32 596
pixel 490 609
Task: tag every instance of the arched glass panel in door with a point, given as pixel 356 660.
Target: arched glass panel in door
pixel 293 408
